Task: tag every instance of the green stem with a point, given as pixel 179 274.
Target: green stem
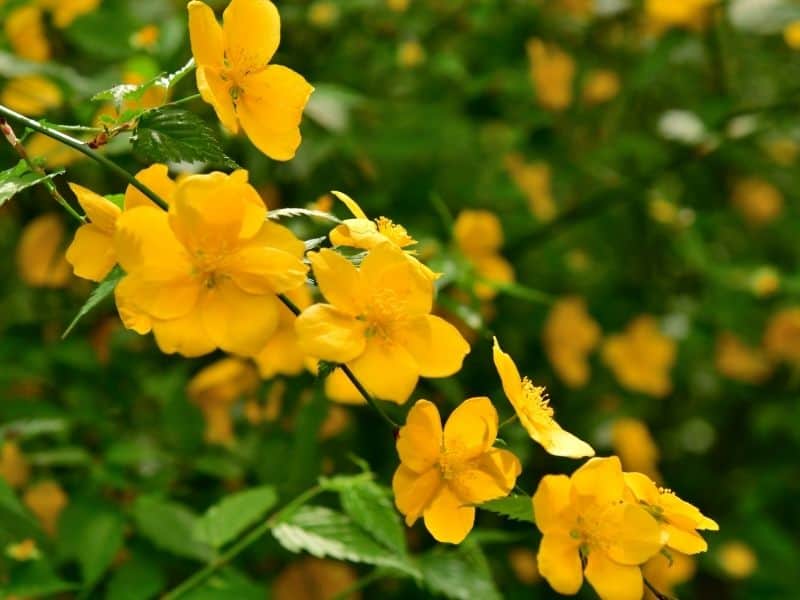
pixel 252 537
pixel 655 592
pixel 508 421
pixel 84 149
pixel 348 373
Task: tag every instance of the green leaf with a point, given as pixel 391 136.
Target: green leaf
pixel 323 532
pixel 170 526
pixel 103 33
pixel 462 573
pixel 102 536
pixel 15 522
pixel 290 212
pixel 138 579
pixel 370 506
pixel 175 135
pixel 224 585
pixel 103 290
pixel 18 178
pixel 35 579
pixel 224 521
pixel 518 508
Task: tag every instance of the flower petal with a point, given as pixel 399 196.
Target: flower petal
pixel 144 241
pixel 185 335
pixel 436 345
pixel 413 491
pixel 447 518
pixel 280 237
pixel 91 253
pixel 386 370
pixel 559 442
pixel 156 177
pixel 205 35
pixel 600 478
pixel 252 33
pixel 419 440
pixel 338 280
pixel 102 213
pixel 161 299
pixel 491 476
pixel 132 316
pixel 263 270
pixel 351 205
pixel 509 374
pixel 687 542
pixel 613 581
pixel 636 534
pixel 551 500
pixel 471 428
pixel 559 563
pixel 326 332
pixel 338 388
pixel 387 269
pixel 217 92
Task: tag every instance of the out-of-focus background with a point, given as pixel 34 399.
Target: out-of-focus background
pixel 609 186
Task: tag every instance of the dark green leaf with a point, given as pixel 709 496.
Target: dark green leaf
pixel 370 506
pixel 518 508
pixel 224 585
pixel 18 178
pixel 226 520
pixel 137 579
pixel 103 290
pixel 15 522
pixel 170 526
pixel 35 579
pixel 462 573
pixel 102 537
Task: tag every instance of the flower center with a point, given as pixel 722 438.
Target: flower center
pixel 537 404
pixel 397 234
pixel 385 314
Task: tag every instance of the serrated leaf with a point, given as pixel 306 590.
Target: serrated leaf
pixel 289 212
pixel 18 178
pixel 370 506
pixel 518 508
pixel 323 532
pixel 103 290
pixel 175 135
pixel 224 521
pixel 461 574
pixel 170 526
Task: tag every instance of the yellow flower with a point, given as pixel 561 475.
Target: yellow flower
pixel 282 354
pixel 664 573
pixel 570 334
pixel 757 200
pixel 410 54
pixel 46 500
pixel 31 95
pixel 24 550
pixel 678 519
pixel 379 323
pixel 361 232
pixel 215 388
pixel 665 14
pixel 586 520
pixel 146 37
pixel 782 336
pixel 523 563
pixel 791 34
pixel 642 357
pixel 764 281
pixel 552 72
pixel 233 74
pixel 66 11
pixel 54 153
pixel 26 33
pixel 206 274
pixel 479 236
pixel 533 179
pixel 323 13
pixel 534 411
pixel 40 259
pixel 737 559
pixel 443 473
pixel 635 447
pixel 738 361
pixel 91 252
pixel 14 467
pixel 314 579
pixel 600 86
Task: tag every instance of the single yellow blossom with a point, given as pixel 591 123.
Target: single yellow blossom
pixel 146 37
pixel 533 180
pixel 362 232
pixel 666 14
pixel 323 13
pixel 641 358
pixel 552 72
pixel 14 467
pixel 46 500
pixel 589 527
pixel 479 236
pixel 233 74
pixel 737 559
pixel 31 95
pixel 444 473
pixel 91 252
pixel 410 54
pixel 40 258
pixel 736 360
pixel 765 281
pixel 206 274
pixel 534 411
pixel 313 578
pixel 282 354
pixel 791 35
pixel 635 446
pixel 570 334
pixel 782 335
pixel 758 201
pixel 24 550
pixel 678 519
pixel 378 321
pixel 26 34
pixel 523 563
pixel 66 11
pixel 664 573
pixel 601 86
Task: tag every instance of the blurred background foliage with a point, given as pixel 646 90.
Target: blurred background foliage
pixel 624 174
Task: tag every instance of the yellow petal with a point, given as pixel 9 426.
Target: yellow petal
pixel 339 389
pixel 636 534
pixel 436 345
pixel 143 241
pixel 551 500
pixel 238 322
pixel 327 333
pixel 130 314
pixel 413 491
pixel 613 581
pixel 280 237
pixel 447 518
pixel 31 95
pixel 509 374
pixel 91 253
pixel 351 205
pixel 388 269
pixel 684 514
pixel 419 440
pixel 560 564
pixel 40 259
pixel 265 270
pixel 101 212
pixel 217 92
pixel 252 32
pixel 160 299
pixel 270 109
pixel 559 442
pixel 356 233
pixel 338 280
pixel 186 335
pixel 642 487
pixel 688 542
pixel 492 269
pixel 281 354
pixel 471 428
pixel 478 232
pixel 600 478
pixel 25 31
pixel 386 370
pixel 491 476
pixel 156 177
pixel 205 34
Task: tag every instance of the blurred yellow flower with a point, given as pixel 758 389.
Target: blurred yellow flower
pixel 523 563
pixel 410 54
pixel 588 527
pixel 54 153
pixel 323 13
pixel 758 201
pixel 378 321
pixel 782 335
pixel 24 550
pixel 282 354
pixel 552 71
pixel 533 179
pixel 678 519
pixel 444 473
pixel 663 211
pixel 215 388
pixel 91 252
pixel 46 500
pixel 146 38
pixel 534 411
pixel 66 11
pixel 206 274
pixel 40 256
pixel 641 358
pixel 25 31
pixel 600 86
pixel 738 361
pixel 31 95
pixel 635 447
pixel 664 574
pixel 479 236
pixel 14 467
pixel 336 421
pixel 665 14
pixel 312 578
pixel 570 334
pixel 765 281
pixel 737 559
pixel 233 74
pixel 398 5
pixel 791 34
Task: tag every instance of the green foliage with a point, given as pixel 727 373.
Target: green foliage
pixel 18 178
pixel 227 519
pixel 103 290
pixel 462 573
pixel 170 526
pixel 517 508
